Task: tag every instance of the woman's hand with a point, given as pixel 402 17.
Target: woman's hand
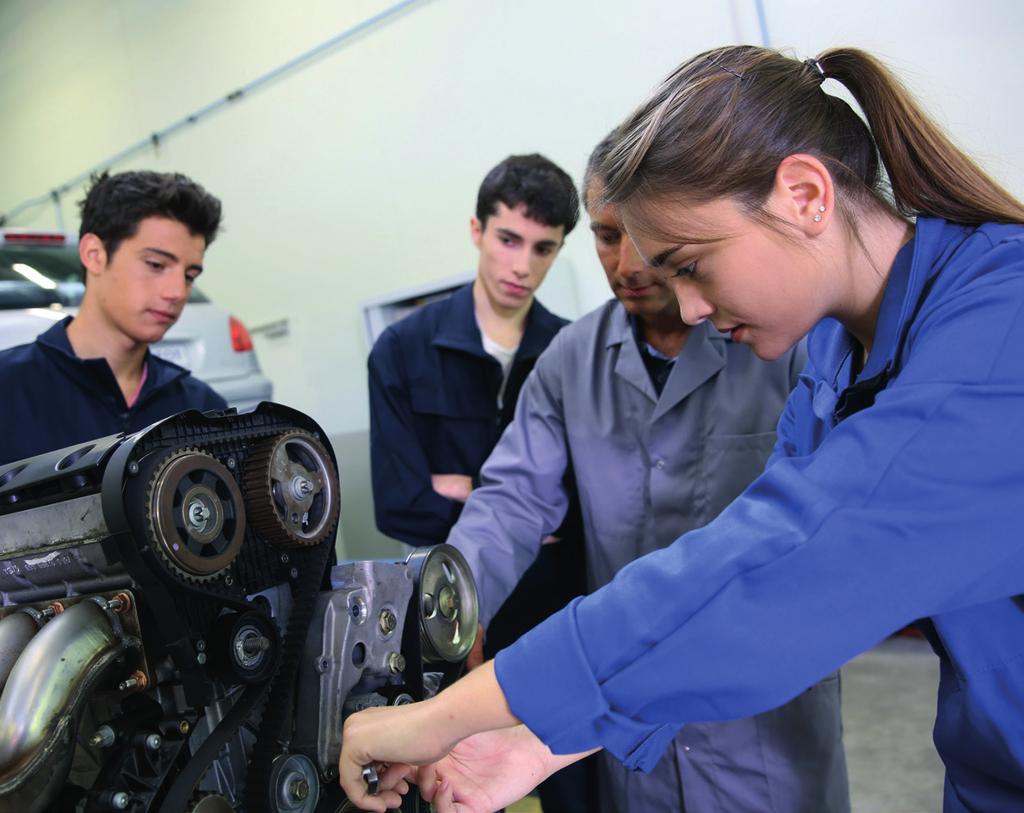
pixel 486 772
pixel 417 734
pixel 400 737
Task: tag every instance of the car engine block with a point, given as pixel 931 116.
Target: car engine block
pixel 174 634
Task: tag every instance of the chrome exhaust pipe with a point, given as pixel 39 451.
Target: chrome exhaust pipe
pixel 38 707
pixel 16 630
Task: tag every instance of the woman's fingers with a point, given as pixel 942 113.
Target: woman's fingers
pixel 395 777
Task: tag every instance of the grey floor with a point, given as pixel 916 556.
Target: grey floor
pixel 888 712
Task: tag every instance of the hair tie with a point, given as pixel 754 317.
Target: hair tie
pixel 815 66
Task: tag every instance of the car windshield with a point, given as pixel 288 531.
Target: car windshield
pixel 41 276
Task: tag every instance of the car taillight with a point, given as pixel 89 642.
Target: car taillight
pixel 35 238
pixel 241 341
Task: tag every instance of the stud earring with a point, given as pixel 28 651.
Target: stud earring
pixel 817 217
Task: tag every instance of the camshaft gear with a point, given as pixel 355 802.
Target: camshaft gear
pixel 292 490
pixel 195 517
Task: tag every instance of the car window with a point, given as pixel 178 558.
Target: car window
pixel 40 276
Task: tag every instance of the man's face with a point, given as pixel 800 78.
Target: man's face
pixel 643 292
pixel 515 255
pixel 141 289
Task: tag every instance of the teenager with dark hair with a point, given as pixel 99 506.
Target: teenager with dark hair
pixel 893 493
pixel 141 244
pixel 444 382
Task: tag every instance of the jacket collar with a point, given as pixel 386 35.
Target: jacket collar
pixel 459 329
pixel 831 346
pixel 96 375
pixel 702 356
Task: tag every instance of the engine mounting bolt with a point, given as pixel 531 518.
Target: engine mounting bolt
pixel 184 727
pixel 396 663
pixel 229 580
pixel 137 680
pixel 120 603
pixel 133 468
pixel 154 741
pixel 53 608
pixel 231 462
pixel 387 621
pixel 284 558
pixel 201 645
pixel 294 573
pixel 120 800
pixel 322 665
pixel 201 658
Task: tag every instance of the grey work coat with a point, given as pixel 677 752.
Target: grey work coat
pixel 648 470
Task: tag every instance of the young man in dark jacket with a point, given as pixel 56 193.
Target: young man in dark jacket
pixel 444 383
pixel 141 244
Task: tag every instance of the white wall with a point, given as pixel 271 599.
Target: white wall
pixel 355 175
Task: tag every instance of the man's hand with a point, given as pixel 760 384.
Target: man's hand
pixel 453 486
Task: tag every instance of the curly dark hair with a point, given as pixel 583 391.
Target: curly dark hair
pixel 546 190
pixel 114 205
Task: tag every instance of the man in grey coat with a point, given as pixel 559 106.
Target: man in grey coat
pixel 664 424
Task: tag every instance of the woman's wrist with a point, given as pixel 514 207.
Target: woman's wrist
pixel 472 704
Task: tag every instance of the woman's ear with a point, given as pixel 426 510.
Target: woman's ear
pixel 803 193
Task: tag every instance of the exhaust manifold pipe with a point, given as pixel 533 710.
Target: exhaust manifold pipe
pixel 46 687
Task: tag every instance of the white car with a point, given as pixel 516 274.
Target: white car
pixel 41 282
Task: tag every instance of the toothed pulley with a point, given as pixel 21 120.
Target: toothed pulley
pixel 292 490
pixel 195 515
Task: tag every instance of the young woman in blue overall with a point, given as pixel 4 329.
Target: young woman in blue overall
pixel 894 492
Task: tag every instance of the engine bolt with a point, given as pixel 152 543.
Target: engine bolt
pixel 137 680
pixel 387 621
pixel 120 800
pixel 231 463
pixel 133 468
pixel 298 789
pixel 255 644
pixel 201 658
pixel 284 558
pixel 396 663
pixel 294 573
pixel 103 738
pixel 201 645
pixel 154 741
pixel 53 608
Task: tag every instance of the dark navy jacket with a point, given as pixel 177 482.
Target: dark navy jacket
pixel 52 398
pixel 433 409
pixel 894 494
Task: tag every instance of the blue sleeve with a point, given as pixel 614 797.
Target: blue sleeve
pixel 907 509
pixel 405 504
pixel 522 497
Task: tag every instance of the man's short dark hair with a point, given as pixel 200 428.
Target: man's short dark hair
pixel 546 191
pixel 595 162
pixel 115 205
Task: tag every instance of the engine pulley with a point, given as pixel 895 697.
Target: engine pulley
pixel 292 490
pixel 449 612
pixel 195 516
